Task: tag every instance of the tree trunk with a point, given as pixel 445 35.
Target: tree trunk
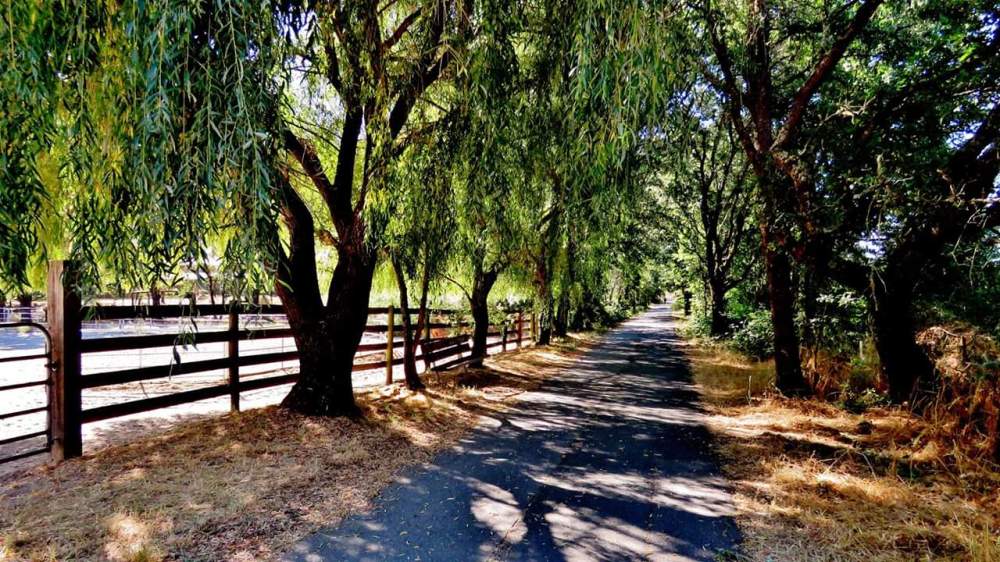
pixel 775 189
pixel 423 315
pixel 543 288
pixel 328 338
pixel 155 296
pixel 543 307
pixel 482 284
pixel 687 301
pixel 211 289
pixel 788 376
pixel 24 302
pixel 413 381
pixel 560 321
pixel 717 303
pixel 561 324
pixel 903 363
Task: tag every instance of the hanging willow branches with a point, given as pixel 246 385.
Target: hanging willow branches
pixel 164 113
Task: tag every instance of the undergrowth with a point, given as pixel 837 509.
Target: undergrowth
pixel 845 479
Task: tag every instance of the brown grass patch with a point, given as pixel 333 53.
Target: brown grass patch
pixel 814 482
pixel 245 486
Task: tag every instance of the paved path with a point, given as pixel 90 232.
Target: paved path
pixel 607 461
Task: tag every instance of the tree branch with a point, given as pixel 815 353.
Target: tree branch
pixel 822 71
pixel 730 89
pixel 404 26
pixel 297 279
pixel 459 285
pixel 305 153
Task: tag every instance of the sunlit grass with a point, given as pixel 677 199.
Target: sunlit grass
pixel 817 483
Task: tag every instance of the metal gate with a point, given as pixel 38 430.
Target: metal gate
pixel 9 440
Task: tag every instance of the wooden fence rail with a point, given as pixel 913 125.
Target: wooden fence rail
pixel 66 315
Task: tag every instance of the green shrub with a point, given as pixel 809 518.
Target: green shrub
pixel 755 336
pixel 698 326
pixel 860 391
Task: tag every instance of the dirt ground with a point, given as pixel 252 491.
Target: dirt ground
pixel 22 341
pixel 244 486
pixel 817 483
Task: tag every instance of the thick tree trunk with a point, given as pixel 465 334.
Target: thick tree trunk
pixel 482 284
pixel 775 189
pixel 413 381
pixel 903 363
pixel 544 305
pixel 327 339
pixel 717 303
pixel 787 364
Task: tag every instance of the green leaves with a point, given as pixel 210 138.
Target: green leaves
pixel 164 111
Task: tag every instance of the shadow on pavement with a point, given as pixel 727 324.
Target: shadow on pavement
pixel 610 460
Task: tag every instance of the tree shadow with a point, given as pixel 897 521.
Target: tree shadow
pixel 609 460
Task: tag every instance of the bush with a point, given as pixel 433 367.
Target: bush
pixel 860 391
pixel 698 326
pixel 755 336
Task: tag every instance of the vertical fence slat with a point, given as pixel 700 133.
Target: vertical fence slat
pixel 503 336
pixel 233 351
pixel 64 308
pixel 389 336
pixel 520 328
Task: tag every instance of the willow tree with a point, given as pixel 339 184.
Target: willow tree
pixel 177 129
pixel 421 231
pixel 585 112
pixel 490 174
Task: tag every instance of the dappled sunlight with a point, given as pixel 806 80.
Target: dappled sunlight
pixel 498 509
pixel 705 496
pixel 245 486
pixel 129 539
pixel 608 460
pixel 815 482
pixel 586 536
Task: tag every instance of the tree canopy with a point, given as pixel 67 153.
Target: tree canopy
pixel 820 173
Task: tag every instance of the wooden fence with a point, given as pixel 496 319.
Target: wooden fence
pixel 68 347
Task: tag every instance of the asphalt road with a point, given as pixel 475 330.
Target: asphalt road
pixel 610 460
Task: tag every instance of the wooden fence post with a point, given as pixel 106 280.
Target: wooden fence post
pixel 503 336
pixel 520 328
pixel 389 336
pixel 234 360
pixel 64 309
pixel 534 327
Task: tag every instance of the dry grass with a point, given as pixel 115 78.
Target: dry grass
pixel 245 486
pixel 814 482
